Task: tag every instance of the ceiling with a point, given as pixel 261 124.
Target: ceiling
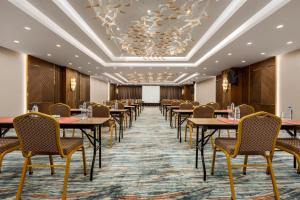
pixel 235 33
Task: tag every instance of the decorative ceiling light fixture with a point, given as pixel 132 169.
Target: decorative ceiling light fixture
pixel 152 36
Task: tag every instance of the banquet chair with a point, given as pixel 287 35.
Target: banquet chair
pixel 7 145
pixel 122 106
pixel 103 111
pixel 215 105
pixel 291 146
pixel 183 106
pixel 257 134
pixel 39 134
pixel 63 110
pixel 196 103
pixel 198 112
pixel 174 103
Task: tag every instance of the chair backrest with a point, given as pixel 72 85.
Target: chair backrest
pixel 215 105
pixel 120 105
pixel 203 112
pixel 39 134
pixel 60 109
pixel 195 103
pixel 186 106
pixel 246 110
pixel 100 111
pixel 257 134
pixel 175 103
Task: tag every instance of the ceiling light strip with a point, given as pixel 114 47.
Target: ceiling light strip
pixel 66 7
pixel 261 15
pixel 180 77
pixel 121 77
pixel 230 10
pixel 31 10
pixel 189 77
pixel 112 77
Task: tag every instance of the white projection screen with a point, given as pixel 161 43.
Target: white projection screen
pixel 151 94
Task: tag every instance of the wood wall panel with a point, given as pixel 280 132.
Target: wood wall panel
pixel 256 86
pixel 49 83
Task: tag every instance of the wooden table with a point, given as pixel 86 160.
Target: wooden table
pixel 164 107
pixel 216 124
pixel 92 124
pixel 118 115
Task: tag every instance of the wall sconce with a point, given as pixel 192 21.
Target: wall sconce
pixel 182 91
pixel 117 91
pixel 73 84
pixel 225 84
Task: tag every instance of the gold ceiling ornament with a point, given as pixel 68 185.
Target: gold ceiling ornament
pixel 165 31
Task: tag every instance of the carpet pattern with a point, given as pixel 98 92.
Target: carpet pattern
pixel 149 163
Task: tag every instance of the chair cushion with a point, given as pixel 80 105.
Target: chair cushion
pixel 7 143
pixel 292 144
pixel 69 144
pixel 227 144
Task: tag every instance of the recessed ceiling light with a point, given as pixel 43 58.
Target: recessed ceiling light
pixel 70 63
pixel 27 28
pixel 77 56
pixel 289 42
pixel 262 53
pixel 79 67
pixel 49 54
pixel 118 28
pixel 249 43
pixel 89 63
pixel 205 68
pixel 89 71
pixel 280 26
pixel 97 67
pixel 58 45
pixel 229 54
pixel 216 61
pixel 203 74
pixel 149 12
pixel 243 61
pixel 16 41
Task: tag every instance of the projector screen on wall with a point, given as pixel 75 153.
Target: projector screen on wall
pixel 151 94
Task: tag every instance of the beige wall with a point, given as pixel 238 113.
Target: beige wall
pixel 205 91
pixel 98 90
pixel 12 82
pixel 287 86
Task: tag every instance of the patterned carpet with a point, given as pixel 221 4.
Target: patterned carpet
pixel 149 163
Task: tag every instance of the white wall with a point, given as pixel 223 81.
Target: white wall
pixel 98 90
pixel 205 91
pixel 12 82
pixel 287 86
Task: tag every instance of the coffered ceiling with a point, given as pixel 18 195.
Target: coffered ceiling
pixel 150 42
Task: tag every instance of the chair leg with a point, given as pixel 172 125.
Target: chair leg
pixel 51 163
pixel 213 161
pixel 233 196
pixel 111 129
pixel 22 180
pixel 275 189
pixel 219 134
pixel 185 130
pixel 73 134
pixel 30 168
pixel 245 164
pixel 64 133
pixel 67 170
pixel 191 136
pixel 116 137
pixel 1 160
pixel 228 133
pixel 83 160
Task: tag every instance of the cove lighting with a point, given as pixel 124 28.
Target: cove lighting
pixel 112 77
pixel 180 77
pixel 122 77
pixel 189 77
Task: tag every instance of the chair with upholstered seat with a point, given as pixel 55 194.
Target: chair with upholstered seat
pixel 7 145
pixel 257 134
pixel 103 111
pixel 174 103
pixel 198 112
pixel 63 110
pixel 196 103
pixel 292 146
pixel 39 134
pixel 183 106
pixel 215 105
pixel 122 106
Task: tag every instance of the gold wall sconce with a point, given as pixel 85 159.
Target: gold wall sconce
pixel 73 84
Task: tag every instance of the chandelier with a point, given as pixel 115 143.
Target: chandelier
pixel 164 31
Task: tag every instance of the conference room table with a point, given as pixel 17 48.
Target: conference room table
pixel 215 124
pixel 93 124
pixel 183 115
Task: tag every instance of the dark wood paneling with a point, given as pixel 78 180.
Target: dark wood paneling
pixel 256 86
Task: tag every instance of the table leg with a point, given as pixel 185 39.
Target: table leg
pixel 122 121
pixel 197 146
pixel 177 126
pixel 99 139
pixel 130 118
pixel 295 135
pixel 94 154
pixel 171 117
pixel 202 154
